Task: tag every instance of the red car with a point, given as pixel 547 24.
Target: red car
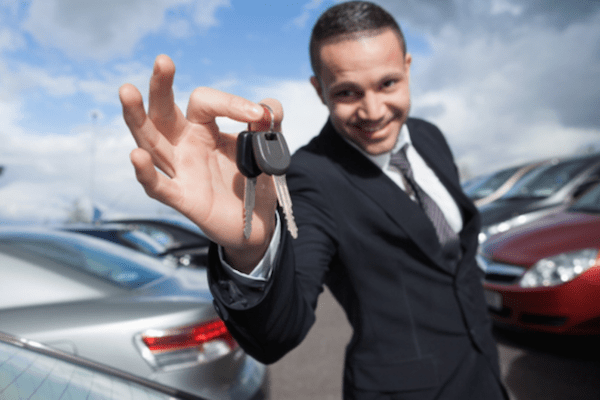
pixel 545 276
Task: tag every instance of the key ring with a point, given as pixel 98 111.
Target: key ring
pixel 271 114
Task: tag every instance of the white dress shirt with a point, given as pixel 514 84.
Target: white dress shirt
pixel 423 175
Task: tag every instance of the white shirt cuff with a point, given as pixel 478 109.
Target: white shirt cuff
pixel 263 270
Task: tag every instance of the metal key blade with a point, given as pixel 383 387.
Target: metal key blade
pixel 249 197
pixel 285 201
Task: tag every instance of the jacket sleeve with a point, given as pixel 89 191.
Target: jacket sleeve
pixel 268 319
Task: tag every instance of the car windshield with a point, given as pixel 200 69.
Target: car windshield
pixel 171 235
pixel 543 182
pixel 144 243
pixel 491 184
pixel 589 202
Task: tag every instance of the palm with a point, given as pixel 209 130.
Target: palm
pixel 201 179
pixel 207 186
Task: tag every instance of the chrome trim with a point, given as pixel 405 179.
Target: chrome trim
pixel 505 269
pixel 87 363
pixel 492 269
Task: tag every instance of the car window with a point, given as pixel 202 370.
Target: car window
pixel 589 202
pixel 548 180
pixel 490 185
pixel 134 239
pixel 171 235
pixel 160 235
pixel 143 242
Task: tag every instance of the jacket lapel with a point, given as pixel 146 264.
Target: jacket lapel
pixel 369 179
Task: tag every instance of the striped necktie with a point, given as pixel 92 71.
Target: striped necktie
pixel 445 233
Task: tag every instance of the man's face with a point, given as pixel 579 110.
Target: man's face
pixel 365 85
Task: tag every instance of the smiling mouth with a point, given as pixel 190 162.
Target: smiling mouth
pixel 372 126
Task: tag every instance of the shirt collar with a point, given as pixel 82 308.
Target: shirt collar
pixel 383 160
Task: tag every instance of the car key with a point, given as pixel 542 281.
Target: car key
pixel 272 155
pixel 247 165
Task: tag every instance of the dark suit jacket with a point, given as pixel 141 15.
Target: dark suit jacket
pixel 415 317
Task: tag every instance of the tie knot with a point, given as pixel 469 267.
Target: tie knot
pixel 400 161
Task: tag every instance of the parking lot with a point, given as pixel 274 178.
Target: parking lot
pixel 533 366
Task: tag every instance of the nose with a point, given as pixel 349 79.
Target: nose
pixel 372 107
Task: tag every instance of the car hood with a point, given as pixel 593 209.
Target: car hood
pixel 557 233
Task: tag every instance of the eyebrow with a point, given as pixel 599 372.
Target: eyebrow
pixel 351 84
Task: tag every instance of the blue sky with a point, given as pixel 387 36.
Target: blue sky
pixel 508 81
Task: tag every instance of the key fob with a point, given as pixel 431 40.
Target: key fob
pixel 271 152
pixel 245 160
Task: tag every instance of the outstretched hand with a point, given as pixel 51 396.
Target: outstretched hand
pixel 200 179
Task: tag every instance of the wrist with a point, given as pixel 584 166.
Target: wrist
pixel 246 257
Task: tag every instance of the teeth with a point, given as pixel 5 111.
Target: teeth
pixel 371 130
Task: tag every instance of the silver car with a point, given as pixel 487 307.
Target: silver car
pixel 125 309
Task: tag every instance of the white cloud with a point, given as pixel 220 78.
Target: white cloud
pixel 504 6
pixel 10 40
pixel 205 12
pixel 108 29
pixel 509 84
pixel 301 20
pixel 46 175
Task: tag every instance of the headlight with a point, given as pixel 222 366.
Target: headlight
pixel 559 269
pixel 482 262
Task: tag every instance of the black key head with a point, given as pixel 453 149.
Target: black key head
pixel 245 155
pixel 271 152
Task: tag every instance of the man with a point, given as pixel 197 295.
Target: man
pixel 410 289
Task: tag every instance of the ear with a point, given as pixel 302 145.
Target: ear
pixel 407 62
pixel 317 85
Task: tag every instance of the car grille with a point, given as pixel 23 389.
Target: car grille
pixel 499 273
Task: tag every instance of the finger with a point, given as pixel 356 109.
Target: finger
pixel 133 108
pixel 155 185
pixel 162 110
pixel 145 134
pixel 265 122
pixel 206 104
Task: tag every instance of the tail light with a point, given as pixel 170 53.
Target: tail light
pixel 184 346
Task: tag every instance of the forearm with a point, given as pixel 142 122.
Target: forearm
pixel 268 317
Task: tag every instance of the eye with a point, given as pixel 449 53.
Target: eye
pixel 389 83
pixel 345 93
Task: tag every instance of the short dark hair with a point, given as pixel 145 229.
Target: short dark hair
pixel 350 20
